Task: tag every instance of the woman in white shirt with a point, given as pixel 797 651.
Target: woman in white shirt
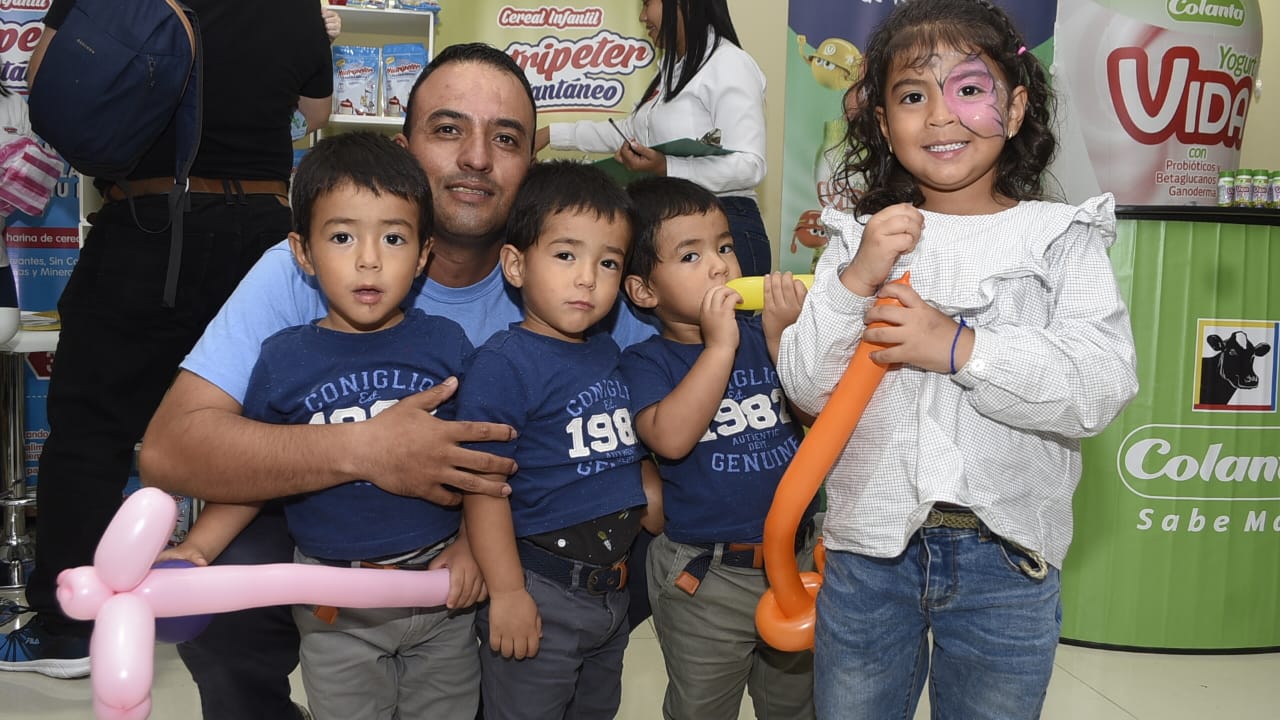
pixel 705 83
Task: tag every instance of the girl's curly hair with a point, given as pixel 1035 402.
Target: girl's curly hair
pixel 909 35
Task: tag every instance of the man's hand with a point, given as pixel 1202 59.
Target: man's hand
pixel 199 444
pixel 411 452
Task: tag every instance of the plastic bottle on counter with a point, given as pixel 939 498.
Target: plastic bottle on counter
pixel 1243 188
pixel 1261 188
pixel 1226 187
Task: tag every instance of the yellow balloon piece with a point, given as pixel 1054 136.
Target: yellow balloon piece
pixel 752 290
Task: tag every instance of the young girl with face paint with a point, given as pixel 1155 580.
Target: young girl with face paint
pixel 949 509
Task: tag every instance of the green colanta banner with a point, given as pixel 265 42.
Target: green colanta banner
pixel 1177 517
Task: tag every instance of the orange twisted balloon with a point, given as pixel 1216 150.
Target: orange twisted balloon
pixel 785 614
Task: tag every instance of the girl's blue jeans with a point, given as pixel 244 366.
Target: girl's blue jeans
pixel 995 631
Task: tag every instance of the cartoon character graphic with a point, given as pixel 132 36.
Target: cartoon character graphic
pixel 809 231
pixel 835 63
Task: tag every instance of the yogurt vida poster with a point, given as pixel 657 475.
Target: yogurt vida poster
pixel 1155 94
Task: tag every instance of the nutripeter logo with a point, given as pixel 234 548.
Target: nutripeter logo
pixel 1237 368
pixel 581 74
pixel 1222 12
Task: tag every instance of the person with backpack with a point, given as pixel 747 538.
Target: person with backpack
pixel 121 338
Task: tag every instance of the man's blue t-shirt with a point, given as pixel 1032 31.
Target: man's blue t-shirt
pixel 721 491
pixel 577 451
pixel 312 375
pixel 276 294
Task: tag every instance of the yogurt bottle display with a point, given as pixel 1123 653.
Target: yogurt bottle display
pixel 1154 96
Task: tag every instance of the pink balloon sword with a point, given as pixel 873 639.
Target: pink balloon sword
pixel 124 595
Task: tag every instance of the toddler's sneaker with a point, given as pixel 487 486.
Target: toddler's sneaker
pixel 31 648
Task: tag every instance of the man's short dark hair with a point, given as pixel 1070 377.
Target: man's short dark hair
pixel 657 200
pixel 475 52
pixel 368 161
pixel 560 186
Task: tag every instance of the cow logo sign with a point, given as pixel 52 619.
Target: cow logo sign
pixel 1238 365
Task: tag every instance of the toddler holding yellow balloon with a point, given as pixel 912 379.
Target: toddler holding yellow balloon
pixel 708 403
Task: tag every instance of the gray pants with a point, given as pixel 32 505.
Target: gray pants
pixel 710 645
pixel 577 673
pixel 389 663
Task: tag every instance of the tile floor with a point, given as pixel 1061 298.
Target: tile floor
pixel 1087 685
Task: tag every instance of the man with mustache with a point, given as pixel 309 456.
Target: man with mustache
pixel 470 123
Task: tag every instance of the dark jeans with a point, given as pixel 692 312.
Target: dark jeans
pixel 638 580
pixel 750 241
pixel 241 662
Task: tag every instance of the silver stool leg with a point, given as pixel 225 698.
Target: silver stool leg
pixel 17 549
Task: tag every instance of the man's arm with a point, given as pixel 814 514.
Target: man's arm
pixel 315 110
pixel 199 444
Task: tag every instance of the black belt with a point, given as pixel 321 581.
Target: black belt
pixel 595 579
pixel 228 187
pixel 739 555
pixel 179 199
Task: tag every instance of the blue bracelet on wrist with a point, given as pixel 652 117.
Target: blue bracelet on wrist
pixel 954 340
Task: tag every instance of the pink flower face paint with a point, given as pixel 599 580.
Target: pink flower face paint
pixel 973 93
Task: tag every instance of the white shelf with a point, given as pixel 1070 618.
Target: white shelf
pixel 375 21
pixel 411 25
pixel 368 122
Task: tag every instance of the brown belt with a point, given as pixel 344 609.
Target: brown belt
pixel 951 516
pixel 232 188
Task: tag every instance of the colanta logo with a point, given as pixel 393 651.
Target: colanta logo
pixel 1222 12
pixel 1201 462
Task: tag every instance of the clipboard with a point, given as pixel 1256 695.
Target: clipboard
pixel 685 147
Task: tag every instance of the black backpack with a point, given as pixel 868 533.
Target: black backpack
pixel 113 77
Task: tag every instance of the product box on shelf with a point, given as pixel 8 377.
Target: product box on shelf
pixel 355 79
pixel 401 65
